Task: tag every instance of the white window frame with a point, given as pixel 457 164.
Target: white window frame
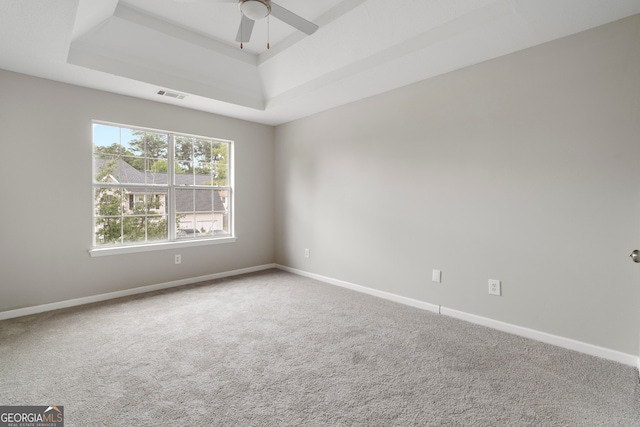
pixel 173 242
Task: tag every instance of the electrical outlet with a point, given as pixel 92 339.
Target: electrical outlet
pixel 436 276
pixel 178 258
pixel 306 252
pixel 495 287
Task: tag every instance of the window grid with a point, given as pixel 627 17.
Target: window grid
pixel 153 186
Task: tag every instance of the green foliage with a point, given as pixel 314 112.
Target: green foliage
pixel 149 144
pixel 118 220
pixel 145 146
pixel 109 167
pixel 161 166
pixel 203 157
pixel 116 151
pixel 148 152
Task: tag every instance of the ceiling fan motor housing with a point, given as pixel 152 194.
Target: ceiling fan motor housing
pixel 255 9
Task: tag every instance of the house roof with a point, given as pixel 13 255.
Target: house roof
pixel 187 199
pixel 201 201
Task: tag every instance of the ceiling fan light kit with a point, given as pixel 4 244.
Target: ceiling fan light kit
pixel 255 9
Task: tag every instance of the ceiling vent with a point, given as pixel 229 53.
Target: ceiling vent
pixel 171 94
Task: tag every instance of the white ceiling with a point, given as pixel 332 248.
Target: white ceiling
pixel 363 47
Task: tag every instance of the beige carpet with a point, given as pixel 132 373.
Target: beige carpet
pixel 275 349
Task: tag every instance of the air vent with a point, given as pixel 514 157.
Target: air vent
pixel 171 94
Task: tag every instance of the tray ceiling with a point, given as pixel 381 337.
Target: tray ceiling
pixel 363 47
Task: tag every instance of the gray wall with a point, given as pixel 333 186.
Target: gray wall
pixel 525 169
pixel 45 183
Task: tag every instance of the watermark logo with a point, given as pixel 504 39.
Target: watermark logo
pixel 31 416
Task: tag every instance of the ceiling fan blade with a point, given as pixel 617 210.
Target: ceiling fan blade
pixel 244 32
pixel 292 19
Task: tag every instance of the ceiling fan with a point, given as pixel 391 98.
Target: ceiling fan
pixel 254 10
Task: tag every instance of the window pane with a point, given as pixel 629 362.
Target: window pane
pixel 122 154
pixel 195 212
pixel 129 170
pixel 134 229
pixel 108 231
pixel 105 168
pixel 156 171
pixel 203 171
pixel 144 144
pixel 188 226
pixel 221 163
pixel 199 200
pixel 106 140
pixel 220 200
pixel 202 150
pixel 184 149
pixel 158 228
pixel 205 223
pixel 184 165
pixel 204 200
pixel 143 228
pixel 184 175
pixel 184 200
pixel 199 224
pixel 221 212
pixel 222 225
pixel 221 152
pixel 221 175
pixel 139 203
pixel 108 201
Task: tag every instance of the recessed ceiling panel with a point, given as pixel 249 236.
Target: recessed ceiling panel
pixel 121 47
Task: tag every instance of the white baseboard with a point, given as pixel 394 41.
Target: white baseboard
pixel 381 294
pixel 568 343
pixel 593 350
pixel 127 292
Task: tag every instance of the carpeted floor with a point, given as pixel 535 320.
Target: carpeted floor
pixel 276 349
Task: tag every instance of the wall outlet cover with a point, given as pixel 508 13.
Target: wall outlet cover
pixel 495 287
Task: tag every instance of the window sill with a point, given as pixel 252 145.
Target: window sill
pixel 149 247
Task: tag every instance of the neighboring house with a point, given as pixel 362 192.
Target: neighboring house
pixel 201 211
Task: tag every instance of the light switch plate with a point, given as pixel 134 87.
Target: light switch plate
pixel 436 276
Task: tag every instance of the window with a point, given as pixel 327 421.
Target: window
pixel 152 186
